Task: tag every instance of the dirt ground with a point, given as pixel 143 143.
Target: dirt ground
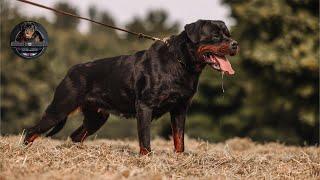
pixel 110 159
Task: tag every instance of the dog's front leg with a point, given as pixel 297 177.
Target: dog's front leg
pixel 178 117
pixel 144 116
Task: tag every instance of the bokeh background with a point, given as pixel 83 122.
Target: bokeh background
pixel 274 95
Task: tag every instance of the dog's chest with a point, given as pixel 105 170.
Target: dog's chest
pixel 168 99
pixel 175 92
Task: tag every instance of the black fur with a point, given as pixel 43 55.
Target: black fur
pixel 144 85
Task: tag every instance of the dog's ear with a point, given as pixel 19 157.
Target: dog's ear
pixel 223 26
pixel 23 26
pixel 33 26
pixel 193 31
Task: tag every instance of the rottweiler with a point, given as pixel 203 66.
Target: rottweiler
pixel 29 33
pixel 145 85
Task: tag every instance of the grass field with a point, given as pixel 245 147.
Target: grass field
pixel 110 159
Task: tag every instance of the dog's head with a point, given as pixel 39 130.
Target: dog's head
pixel 213 43
pixel 28 29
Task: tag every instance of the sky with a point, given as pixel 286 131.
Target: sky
pixel 183 11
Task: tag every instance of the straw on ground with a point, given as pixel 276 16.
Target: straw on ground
pixel 110 159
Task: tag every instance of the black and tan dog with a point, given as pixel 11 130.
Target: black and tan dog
pixel 29 33
pixel 145 85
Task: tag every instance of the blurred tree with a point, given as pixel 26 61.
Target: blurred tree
pixel 103 17
pixel 22 83
pixel 92 12
pixel 66 22
pixel 279 52
pixel 155 24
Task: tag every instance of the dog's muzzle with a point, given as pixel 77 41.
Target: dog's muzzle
pixel 233 48
pixel 215 55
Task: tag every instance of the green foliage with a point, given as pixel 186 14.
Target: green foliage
pixel 273 96
pixel 66 22
pixel 154 24
pixel 279 43
pixel 281 34
pixel 103 17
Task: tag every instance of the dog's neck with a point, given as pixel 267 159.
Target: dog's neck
pixel 184 52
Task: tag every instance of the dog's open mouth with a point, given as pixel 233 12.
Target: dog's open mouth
pixel 218 62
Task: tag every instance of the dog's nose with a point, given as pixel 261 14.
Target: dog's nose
pixel 234 45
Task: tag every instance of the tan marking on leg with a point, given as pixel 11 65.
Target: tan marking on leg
pixel 32 138
pixel 144 151
pixel 78 109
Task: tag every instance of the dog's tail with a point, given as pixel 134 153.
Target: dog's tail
pixel 57 128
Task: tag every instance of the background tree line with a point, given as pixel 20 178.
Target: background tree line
pixel 273 96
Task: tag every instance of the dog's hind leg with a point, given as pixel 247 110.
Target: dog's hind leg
pixel 92 122
pixel 66 99
pixel 57 128
pixel 51 119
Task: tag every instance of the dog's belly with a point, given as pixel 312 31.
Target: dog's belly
pixel 113 100
pixel 124 107
pixel 117 112
pixel 117 103
pixel 156 112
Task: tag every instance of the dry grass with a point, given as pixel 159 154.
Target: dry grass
pixel 109 159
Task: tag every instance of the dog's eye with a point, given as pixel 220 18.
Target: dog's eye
pixel 216 38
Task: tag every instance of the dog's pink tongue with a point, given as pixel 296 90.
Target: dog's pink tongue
pixel 225 65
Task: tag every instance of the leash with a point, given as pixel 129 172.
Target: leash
pixel 140 35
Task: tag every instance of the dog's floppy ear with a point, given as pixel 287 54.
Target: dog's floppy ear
pixel 193 31
pixel 23 26
pixel 34 27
